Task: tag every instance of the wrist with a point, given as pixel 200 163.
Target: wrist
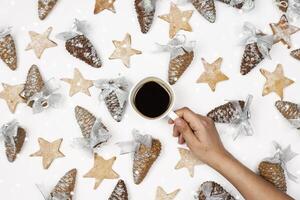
pixel 218 159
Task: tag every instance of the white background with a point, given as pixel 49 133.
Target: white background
pixel 18 179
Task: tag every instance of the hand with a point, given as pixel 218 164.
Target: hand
pixel 200 134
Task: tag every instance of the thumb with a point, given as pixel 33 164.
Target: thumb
pixel 183 127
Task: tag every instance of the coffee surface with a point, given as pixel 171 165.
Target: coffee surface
pixel 152 99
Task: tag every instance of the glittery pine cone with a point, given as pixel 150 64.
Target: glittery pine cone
pixel 296 54
pixel 65 186
pixel 238 5
pixel 8 51
pixel 45 7
pixel 178 65
pixel 215 191
pixel 206 8
pixel 145 15
pixel 274 173
pixel 114 107
pixel 144 157
pixel 81 48
pixel 251 58
pixel 85 120
pixel 120 192
pixel 14 147
pixel 225 113
pixel 288 109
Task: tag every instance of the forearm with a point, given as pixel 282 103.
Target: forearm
pixel 249 184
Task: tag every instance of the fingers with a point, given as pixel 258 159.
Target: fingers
pixel 193 119
pixel 184 131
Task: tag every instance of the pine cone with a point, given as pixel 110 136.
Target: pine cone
pixel 274 173
pixel 85 119
pixel 45 7
pixel 8 51
pixel 81 48
pixel 251 58
pixel 14 147
pixel 288 109
pixel 296 54
pixel 145 15
pixel 143 160
pixel 206 8
pixel 114 107
pixel 34 83
pixel 224 113
pixel 66 185
pixel 216 190
pixel 238 5
pixel 120 192
pixel 178 65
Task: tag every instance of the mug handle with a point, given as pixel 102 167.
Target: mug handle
pixel 172 115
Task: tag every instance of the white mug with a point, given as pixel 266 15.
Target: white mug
pixel 169 111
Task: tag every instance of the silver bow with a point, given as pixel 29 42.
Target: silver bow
pixel 78 28
pixel 4 31
pixel 283 156
pixel 148 5
pixel 241 121
pixel 293 11
pixel 134 145
pixel 52 196
pixel 206 188
pixel 119 86
pixel 177 46
pixel 247 4
pixel 252 34
pixel 9 131
pixel 46 97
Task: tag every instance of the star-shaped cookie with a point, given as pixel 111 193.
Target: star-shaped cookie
pixel 178 20
pixel 78 84
pixel 212 74
pixel 275 81
pixel 11 95
pixel 162 195
pixel 49 151
pixel 40 42
pixel 188 160
pixel 124 51
pixel 101 5
pixel 282 31
pixel 101 170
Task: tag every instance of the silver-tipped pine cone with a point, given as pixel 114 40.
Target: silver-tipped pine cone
pixel 274 173
pixel 81 48
pixel 216 190
pixel 225 113
pixel 8 51
pixel 288 109
pixel 45 7
pixel 12 148
pixel 178 65
pixel 251 58
pixel 206 8
pixel 65 186
pixel 143 159
pixel 113 105
pixel 145 15
pixel 296 54
pixel 119 192
pixel 85 120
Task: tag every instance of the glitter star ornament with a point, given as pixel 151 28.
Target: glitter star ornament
pixel 275 81
pixel 101 170
pixel 40 42
pixel 162 195
pixel 124 51
pixel 10 94
pixel 188 160
pixel 49 151
pixel 101 5
pixel 45 7
pixel 282 31
pixel 178 20
pixel 212 74
pixel 78 84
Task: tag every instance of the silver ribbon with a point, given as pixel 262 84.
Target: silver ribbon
pixel 293 11
pixel 119 86
pixel 177 46
pixel 148 5
pixel 53 196
pixel 134 145
pixel 78 28
pixel 247 4
pixel 4 31
pixel 295 122
pixel 241 122
pixel 46 97
pixel 207 189
pixel 283 156
pixel 9 130
pixel 252 34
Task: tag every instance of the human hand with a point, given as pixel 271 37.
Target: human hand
pixel 200 135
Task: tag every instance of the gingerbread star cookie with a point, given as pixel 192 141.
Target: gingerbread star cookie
pixel 11 95
pixel 162 195
pixel 212 74
pixel 101 5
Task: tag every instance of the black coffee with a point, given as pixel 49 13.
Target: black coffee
pixel 152 99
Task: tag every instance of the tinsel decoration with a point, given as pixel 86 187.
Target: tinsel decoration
pixel 290 111
pixel 245 5
pixel 114 92
pixel 119 192
pixel 79 46
pixel 211 190
pixel 45 7
pixel 145 10
pixel 146 150
pixel 7 48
